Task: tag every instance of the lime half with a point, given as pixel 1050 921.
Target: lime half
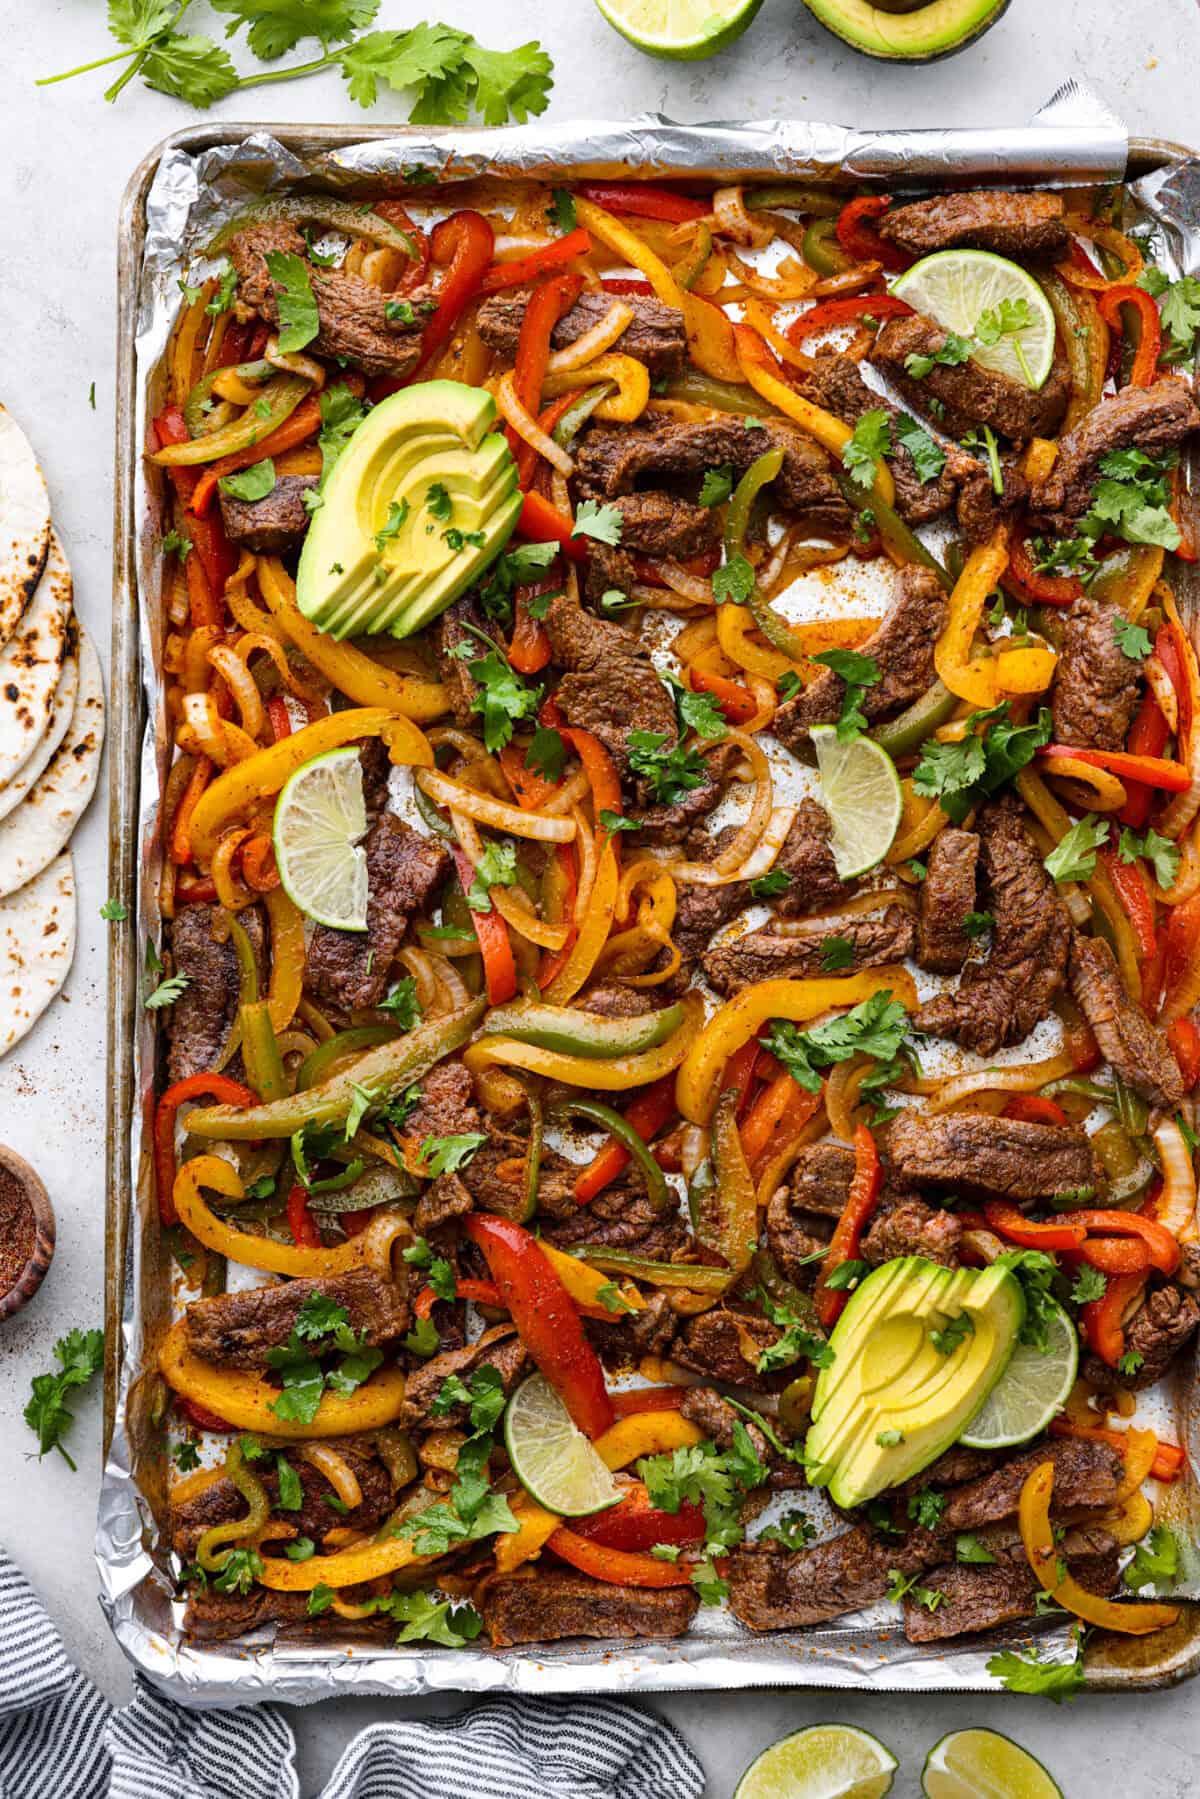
pixel 1031 1390
pixel 319 818
pixel 681 30
pixel 860 790
pixel 553 1459
pixel 982 1764
pixel 827 1761
pixel 958 287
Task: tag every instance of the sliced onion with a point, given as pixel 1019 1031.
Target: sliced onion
pixel 602 335
pixel 293 363
pixel 730 219
pixel 527 427
pixel 233 894
pixel 1027 1078
pixel 1185 884
pixel 251 641
pixel 692 587
pixel 420 968
pixel 576 788
pixel 379 1237
pixel 747 836
pixel 985 1245
pixel 512 904
pixel 841 1095
pixel 242 685
pixel 798 283
pixel 589 861
pixel 512 246
pixel 1176 1207
pixel 486 811
pixel 1163 689
pixel 760 859
pixel 822 924
pixel 204 732
pixel 337 1471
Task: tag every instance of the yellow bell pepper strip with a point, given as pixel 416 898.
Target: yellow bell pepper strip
pixel 388 1066
pixel 345 1568
pixel 1105 793
pixel 742 1017
pixel 585 1284
pixel 641 1434
pixel 1029 669
pixel 593 932
pixel 236 790
pixel 615 1076
pixel 1042 1553
pixel 1115 919
pixel 287 958
pixel 631 378
pixel 361 678
pixel 760 369
pixel 728 1211
pixel 573 1031
pixel 279 399
pixel 260 1051
pixel 976 681
pixel 244 1401
pixel 251 1251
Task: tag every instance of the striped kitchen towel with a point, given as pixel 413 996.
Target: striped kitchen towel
pixel 60 1739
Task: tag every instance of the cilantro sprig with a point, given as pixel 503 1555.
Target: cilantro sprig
pixel 80 1356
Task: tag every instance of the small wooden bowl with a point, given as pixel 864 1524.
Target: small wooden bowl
pixel 33 1274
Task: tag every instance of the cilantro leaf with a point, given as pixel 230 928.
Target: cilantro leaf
pixel 1162 855
pixel 1029 1674
pixel 1074 858
pixel 166 993
pixel 669 771
pixel 190 68
pixel 1180 312
pixel 402 1003
pixel 926 1507
pixel 1156 1559
pixel 113 912
pixel 342 412
pixel 797 1340
pixel 734 580
pixel 291 1493
pixel 876 1027
pixel 1089 1285
pixel 276 26
pixel 837 953
pixel 561 211
pixel 928 457
pixel 868 444
pixel 959 775
pixel 484 1397
pixel 497 867
pixel 858 672
pixel 604 524
pixel 1132 640
pixel 793 1530
pixel 240 1568
pixel 698 712
pixel 80 1355
pixel 298 317
pixel 717 485
pixel 445 1155
pixel 954 1332
pixel 397 513
pixel 1036 1271
pixel 503 698
pixel 427 1620
pixel 547 753
pixel 968 1548
pixel 773 883
pixel 515 568
pixel 954 351
pixel 253 483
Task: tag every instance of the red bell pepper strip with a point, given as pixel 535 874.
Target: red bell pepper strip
pixel 1182 940
pixel 634 199
pixel 524 269
pixel 1184 1039
pixel 301 1223
pixel 214 557
pixel 1168 1462
pixel 530 788
pixel 546 306
pixel 201 1417
pixel 618 1566
pixel 1031 1108
pixel 781 1107
pixel 1133 891
pixel 1102 1319
pixel 556 959
pixel 196 1086
pixel 545 1317
pixel 858 237
pixel 302 424
pixel 180 845
pixel 600 770
pixel 625 284
pixel 481 1293
pixel 495 945
pixel 1007 1222
pixel 1037 589
pixel 1148 736
pixel 1116 1255
pixel 740 1071
pixel 194 890
pixel 647 1112
pixel 1163 1247
pixel 648 1399
pixel 633 1524
pixel 1145 358
pixel 529 650
pixel 865 1186
pixel 462 244
pixel 1155 771
pixel 828 313
pixel 737 703
pixel 1181 512
pixel 702 565
pixel 277 712
pixel 543 523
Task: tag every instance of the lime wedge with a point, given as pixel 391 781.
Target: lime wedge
pixel 982 1764
pixel 680 30
pixel 1031 1390
pixel 553 1459
pixel 860 790
pixel 957 287
pixel 827 1761
pixel 319 818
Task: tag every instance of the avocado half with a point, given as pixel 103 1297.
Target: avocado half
pixel 908 30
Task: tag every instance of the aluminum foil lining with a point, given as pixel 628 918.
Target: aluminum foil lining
pixel 1074 141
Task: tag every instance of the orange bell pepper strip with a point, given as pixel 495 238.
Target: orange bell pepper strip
pixel 1184 1039
pixel 780 1109
pixel 215 558
pixel 1162 1246
pixel 1168 1462
pixel 529 650
pixel 462 245
pixel 1133 891
pixel 648 1399
pixel 555 960
pixel 1148 736
pixel 302 424
pixel 865 1187
pixel 530 789
pixel 1031 1108
pixel 545 1317
pixel 481 1293
pixel 647 1112
pixel 1034 588
pixel 546 306
pixel 201 1417
pixel 600 770
pixel 1102 1318
pixel 617 1566
pixel 858 237
pixel 1042 1553
pixel 305 1234
pixel 543 523
pixel 495 944
pixel 523 269
pixel 1145 360
pixel 633 1524
pixel 277 712
pixel 1007 1222
pixel 196 1086
pixel 737 703
pixel 181 826
pixel 1155 771
pixel 1115 1255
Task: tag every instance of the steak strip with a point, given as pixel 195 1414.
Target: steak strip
pixel 1016 225
pixel 352 968
pixel 1005 1158
pixel 236 1330
pixel 766 956
pixel 1152 419
pixel 655 334
pixel 969 394
pixel 558 1603
pixel 1135 1047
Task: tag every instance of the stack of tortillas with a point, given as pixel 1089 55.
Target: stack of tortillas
pixel 51 735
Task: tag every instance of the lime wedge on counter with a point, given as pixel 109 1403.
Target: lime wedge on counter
pixel 552 1458
pixel 319 818
pixel 982 1764
pixel 957 287
pixel 860 790
pixel 680 30
pixel 1031 1390
pixel 827 1761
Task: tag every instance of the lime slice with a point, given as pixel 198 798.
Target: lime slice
pixel 827 1761
pixel 553 1459
pixel 1031 1390
pixel 860 790
pixel 680 30
pixel 956 287
pixel 982 1764
pixel 319 818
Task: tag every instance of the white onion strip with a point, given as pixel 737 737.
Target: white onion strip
pixel 337 1471
pixel 743 842
pixel 602 335
pixel 761 858
pixel 692 587
pixel 732 220
pixel 1163 689
pixel 1176 1208
pixel 510 902
pixel 487 811
pixel 527 427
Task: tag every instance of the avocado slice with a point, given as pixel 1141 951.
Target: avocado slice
pixel 908 30
pixel 890 1379
pixel 376 557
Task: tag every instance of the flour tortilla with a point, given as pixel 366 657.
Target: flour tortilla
pixel 31 663
pixel 37 944
pixel 61 713
pixel 34 833
pixel 24 523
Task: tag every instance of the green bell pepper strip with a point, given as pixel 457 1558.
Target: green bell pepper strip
pixel 761 472
pixel 199 422
pixel 775 1283
pixel 892 528
pixel 721 396
pixel 577 415
pixel 319 209
pixel 729 1222
pixel 431 813
pixel 316 1065
pixel 280 399
pixel 254 1493
pixel 578 1105
pixel 821 249
pixel 904 734
pixel 389 1066
pixel 688 1275
pixel 787 196
pixel 699 1194
pixel 246 960
pixel 260 1052
pixel 689 271
pixel 575 1032
pixel 1132 1109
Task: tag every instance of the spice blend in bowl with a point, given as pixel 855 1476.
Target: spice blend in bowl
pixel 26 1233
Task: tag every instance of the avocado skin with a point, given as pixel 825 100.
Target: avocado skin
pixel 827 12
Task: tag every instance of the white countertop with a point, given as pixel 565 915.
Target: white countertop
pixel 68 156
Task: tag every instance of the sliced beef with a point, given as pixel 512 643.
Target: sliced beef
pixel 1005 1158
pixel 1152 419
pixel 821 1177
pixel 203 1015
pixel 913 1229
pixel 771 1588
pixel 237 1329
pixel 499 1347
pixel 655 335
pixel 611 687
pixel 795 1237
pixel 976 1598
pixel 622 1217
pixel 1017 225
pixel 352 968
pixel 947 896
pixel 726 1345
pixel 1096 687
pixel 557 1603
pixel 458 626
pixel 806 858
pixel 495 1174
pixel 969 394
pixel 1085 1474
pixel 1164 1322
pixel 1135 1047
pixel 213 1617
pixel 660 524
pixel 376 766
pixel 444 1200
pixel 615 1002
pixel 765 955
pixel 662 823
pixel 999 1000
pixel 836 384
pixel 708 1411
pixel 702 911
pixel 446 1107
pixel 902 648
pixel 221 1502
pixel 953 1468
pixel 276 525
pixel 354 323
